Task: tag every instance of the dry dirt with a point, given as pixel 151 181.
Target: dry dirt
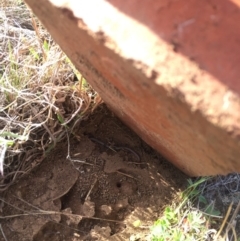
pixel 122 180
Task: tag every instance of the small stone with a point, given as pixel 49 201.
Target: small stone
pixel 106 209
pixel 88 208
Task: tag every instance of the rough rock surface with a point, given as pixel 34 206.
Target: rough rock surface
pixel 169 69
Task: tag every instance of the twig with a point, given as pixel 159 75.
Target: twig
pixel 46 128
pixel 35 213
pixel 3 148
pixel 13 206
pixel 38 37
pixel 232 223
pixel 68 155
pixel 211 215
pixel 74 114
pixel 29 204
pixel 234 233
pixel 224 221
pixel 43 212
pixel 126 175
pixel 115 148
pixel 91 189
pixel 56 213
pixel 3 234
pixel 66 226
pixel 234 214
pixel 137 163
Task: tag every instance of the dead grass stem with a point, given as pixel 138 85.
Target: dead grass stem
pixel 40 93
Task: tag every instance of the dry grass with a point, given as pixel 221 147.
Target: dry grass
pixel 41 94
pixel 197 217
pixel 222 194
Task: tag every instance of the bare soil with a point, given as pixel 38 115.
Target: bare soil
pixel 114 180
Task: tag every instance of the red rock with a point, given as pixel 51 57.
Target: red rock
pixel 169 69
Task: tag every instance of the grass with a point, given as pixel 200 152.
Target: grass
pixel 182 222
pixel 41 94
pixel 195 218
